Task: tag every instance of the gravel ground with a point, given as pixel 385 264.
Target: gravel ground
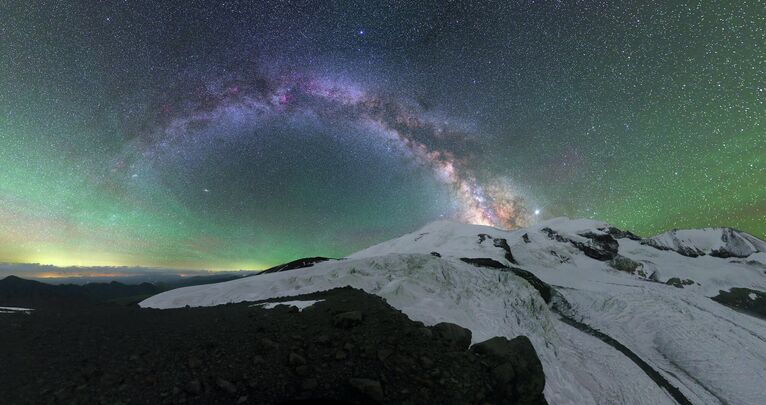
pixel 351 347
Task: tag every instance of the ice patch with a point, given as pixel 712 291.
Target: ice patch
pixel 15 310
pixel 301 305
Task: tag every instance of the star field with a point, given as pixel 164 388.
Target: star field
pixel 238 135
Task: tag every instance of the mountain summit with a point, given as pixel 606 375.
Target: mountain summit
pixel 613 317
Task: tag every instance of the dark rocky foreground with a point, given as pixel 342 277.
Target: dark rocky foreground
pixel 350 348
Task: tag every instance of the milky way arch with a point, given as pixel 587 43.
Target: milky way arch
pixel 442 146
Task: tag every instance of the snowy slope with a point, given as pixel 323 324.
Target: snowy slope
pixel 449 238
pixel 609 287
pixel 722 242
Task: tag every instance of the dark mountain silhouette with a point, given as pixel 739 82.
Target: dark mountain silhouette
pixel 17 291
pixel 296 264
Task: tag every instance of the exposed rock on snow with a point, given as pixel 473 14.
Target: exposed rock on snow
pixel 484 262
pixel 620 234
pixel 744 299
pixel 678 283
pixel 501 243
pixel 596 246
pixel 627 265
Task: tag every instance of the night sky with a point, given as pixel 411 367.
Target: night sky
pixel 242 134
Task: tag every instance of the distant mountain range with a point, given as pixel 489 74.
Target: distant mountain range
pixel 17 291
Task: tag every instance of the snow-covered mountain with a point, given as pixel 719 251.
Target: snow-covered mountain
pixel 614 318
pixel 720 242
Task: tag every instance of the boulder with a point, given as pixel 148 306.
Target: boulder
pixel 368 387
pixel 226 386
pixel 515 366
pixel 193 387
pixel 458 337
pixel 347 320
pixel 296 359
